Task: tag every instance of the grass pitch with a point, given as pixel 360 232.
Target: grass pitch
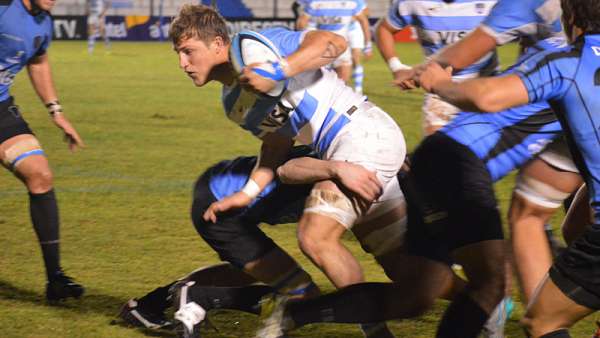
pixel 124 200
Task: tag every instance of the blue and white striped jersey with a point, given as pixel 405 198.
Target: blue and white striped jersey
pixel 96 7
pixel 439 24
pixel 532 20
pixel 333 15
pixel 312 110
pixel 22 37
pixel 569 80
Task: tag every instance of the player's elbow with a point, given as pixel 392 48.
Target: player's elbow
pixel 336 43
pixel 487 102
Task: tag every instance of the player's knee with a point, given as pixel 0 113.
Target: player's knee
pixel 314 243
pixel 521 208
pixel 39 180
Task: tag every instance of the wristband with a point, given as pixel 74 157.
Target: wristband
pixel 54 108
pixel 395 65
pixel 368 48
pixel 278 73
pixel 251 189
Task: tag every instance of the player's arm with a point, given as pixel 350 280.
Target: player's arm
pixel 41 79
pixel 384 37
pixel 317 49
pixel 466 51
pixel 274 151
pixel 308 170
pixel 487 94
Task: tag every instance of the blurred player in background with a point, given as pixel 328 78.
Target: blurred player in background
pixel 359 47
pixel 25 34
pixel 96 22
pixel 438 23
pixel 336 16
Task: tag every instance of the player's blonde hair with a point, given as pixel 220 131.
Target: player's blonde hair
pixel 198 21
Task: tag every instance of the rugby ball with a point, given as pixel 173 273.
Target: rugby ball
pixel 248 47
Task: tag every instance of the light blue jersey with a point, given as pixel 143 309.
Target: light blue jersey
pixel 439 24
pixel 312 110
pixel 569 80
pixel 506 140
pixel 532 20
pixel 333 15
pixel 23 36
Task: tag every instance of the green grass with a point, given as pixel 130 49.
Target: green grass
pixel 124 200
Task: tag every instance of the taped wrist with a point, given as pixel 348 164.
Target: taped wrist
pixel 252 189
pixel 395 65
pixel 54 108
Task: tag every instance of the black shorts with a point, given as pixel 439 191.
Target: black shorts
pixel 576 271
pixel 236 237
pixel 11 121
pixel 450 197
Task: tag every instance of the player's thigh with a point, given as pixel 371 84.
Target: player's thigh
pixel 20 151
pixel 328 213
pixel 544 184
pixel 235 238
pixel 23 154
pixel 372 140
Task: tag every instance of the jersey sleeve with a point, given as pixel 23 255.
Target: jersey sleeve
pixel 285 40
pixel 509 19
pixel 398 15
pixel 542 76
pixel 360 6
pixel 47 38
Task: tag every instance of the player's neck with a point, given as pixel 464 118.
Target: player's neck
pixel 224 74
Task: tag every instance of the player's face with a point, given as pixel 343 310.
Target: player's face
pixel 45 4
pixel 197 59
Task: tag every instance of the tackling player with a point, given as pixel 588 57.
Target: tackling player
pixel 25 34
pixel 568 80
pixel 252 256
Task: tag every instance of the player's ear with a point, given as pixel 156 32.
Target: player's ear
pixel 219 45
